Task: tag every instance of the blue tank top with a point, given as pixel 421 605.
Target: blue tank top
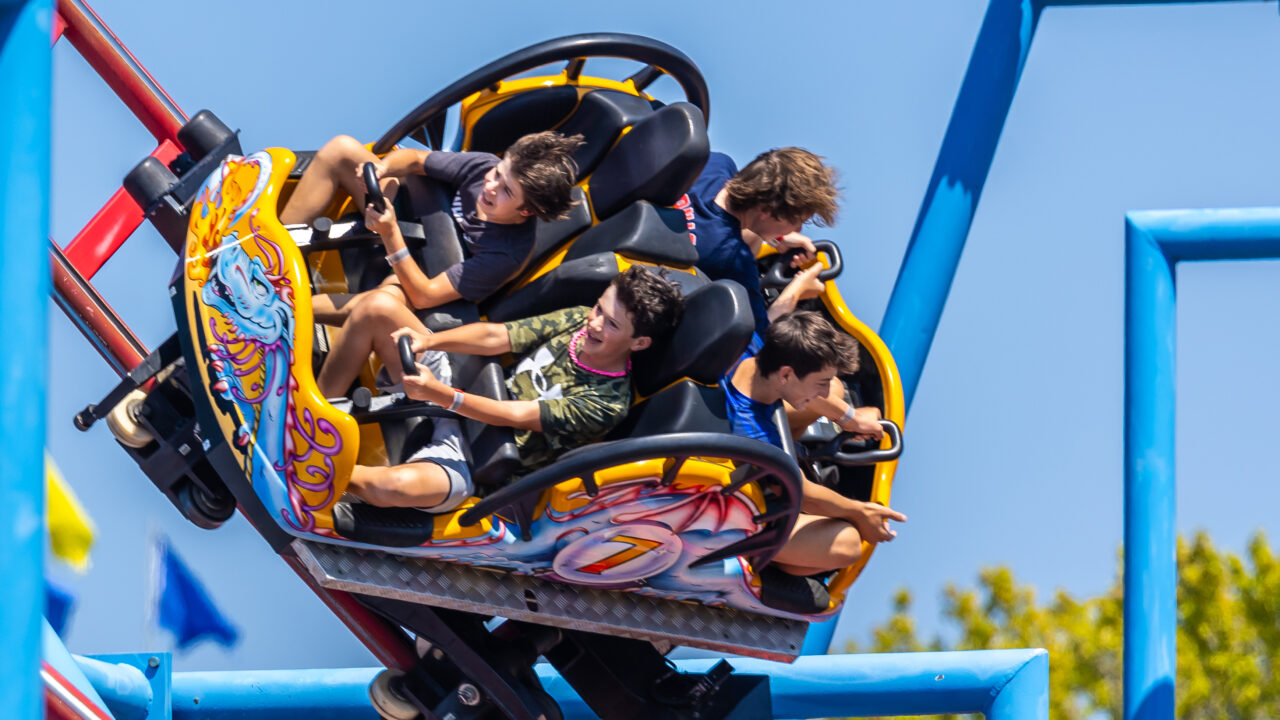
pixel 747 417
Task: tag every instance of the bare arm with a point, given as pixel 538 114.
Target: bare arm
pixel 869 518
pixel 402 161
pixel 481 338
pixel 803 286
pixel 865 421
pixel 522 414
pixel 422 291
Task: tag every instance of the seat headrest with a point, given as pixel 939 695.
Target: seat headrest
pixel 712 335
pixel 529 112
pixel 577 282
pixel 657 161
pixel 600 117
pixel 640 232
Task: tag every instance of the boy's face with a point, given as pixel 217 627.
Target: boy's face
pixel 769 227
pixel 609 329
pixel 503 199
pixel 800 390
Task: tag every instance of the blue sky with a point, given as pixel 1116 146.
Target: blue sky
pixel 1015 440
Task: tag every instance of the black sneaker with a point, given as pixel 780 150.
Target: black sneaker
pixel 792 593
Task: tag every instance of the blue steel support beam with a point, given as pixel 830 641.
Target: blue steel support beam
pixel 1002 684
pixel 933 253
pixel 959 174
pixel 24 286
pixel 1154 243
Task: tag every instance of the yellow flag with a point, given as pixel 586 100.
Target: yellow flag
pixel 70 528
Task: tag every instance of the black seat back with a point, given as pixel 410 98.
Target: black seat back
pixel 656 161
pixel 641 232
pixel 713 333
pixel 577 282
pixel 685 406
pixel 528 112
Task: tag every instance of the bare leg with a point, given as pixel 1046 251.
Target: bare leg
pixel 417 484
pixel 819 544
pixel 332 168
pixel 332 309
pixel 368 329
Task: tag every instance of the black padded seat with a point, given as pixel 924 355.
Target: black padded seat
pixel 640 232
pixel 551 234
pixel 685 406
pixel 712 335
pixel 577 282
pixel 529 112
pixel 600 118
pixel 420 200
pixel 658 160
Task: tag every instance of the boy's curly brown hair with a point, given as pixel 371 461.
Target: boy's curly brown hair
pixel 654 303
pixel 789 183
pixel 543 166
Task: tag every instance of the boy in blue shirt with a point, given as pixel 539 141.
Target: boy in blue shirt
pixel 731 212
pixel 799 358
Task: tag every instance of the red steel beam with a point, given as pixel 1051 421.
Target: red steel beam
pixel 114 223
pixel 121 70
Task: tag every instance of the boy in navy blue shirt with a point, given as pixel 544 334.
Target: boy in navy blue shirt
pixel 799 358
pixel 731 212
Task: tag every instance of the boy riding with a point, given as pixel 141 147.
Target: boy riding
pixel 799 359
pixel 496 203
pixel 570 387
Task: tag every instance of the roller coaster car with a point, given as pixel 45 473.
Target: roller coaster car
pixel 657 533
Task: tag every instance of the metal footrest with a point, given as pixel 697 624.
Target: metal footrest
pixel 521 597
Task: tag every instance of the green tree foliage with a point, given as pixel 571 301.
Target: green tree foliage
pixel 1228 634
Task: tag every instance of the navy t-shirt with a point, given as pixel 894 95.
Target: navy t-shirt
pixel 722 253
pixel 497 252
pixel 747 417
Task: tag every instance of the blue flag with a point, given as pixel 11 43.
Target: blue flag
pixel 183 605
pixel 57 606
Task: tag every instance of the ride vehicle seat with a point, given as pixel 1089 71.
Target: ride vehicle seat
pixel 656 161
pixel 679 376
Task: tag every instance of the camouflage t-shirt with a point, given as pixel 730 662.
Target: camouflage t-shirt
pixel 576 406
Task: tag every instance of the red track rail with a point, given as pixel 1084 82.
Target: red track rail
pixel 75 266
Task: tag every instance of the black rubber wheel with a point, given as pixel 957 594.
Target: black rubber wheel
pixel 148 181
pixel 202 134
pixel 204 509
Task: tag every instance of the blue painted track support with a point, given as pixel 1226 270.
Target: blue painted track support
pixel 933 253
pixel 1154 243
pixel 1001 684
pixel 25 61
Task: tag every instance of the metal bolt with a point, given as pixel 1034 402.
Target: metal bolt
pixel 183 449
pixel 939 677
pixel 468 695
pixel 153 662
pixel 173 291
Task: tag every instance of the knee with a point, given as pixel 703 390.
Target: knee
pixel 339 149
pixel 847 547
pixel 377 308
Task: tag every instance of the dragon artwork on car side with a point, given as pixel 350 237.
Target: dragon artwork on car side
pixel 249 299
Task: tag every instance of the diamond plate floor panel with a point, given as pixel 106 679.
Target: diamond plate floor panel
pixel 520 597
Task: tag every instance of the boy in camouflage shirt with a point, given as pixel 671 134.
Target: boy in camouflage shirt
pixel 570 387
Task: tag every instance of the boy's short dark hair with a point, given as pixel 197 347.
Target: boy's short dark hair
pixel 806 341
pixel 543 166
pixel 790 183
pixel 654 303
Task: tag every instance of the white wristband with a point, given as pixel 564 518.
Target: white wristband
pixel 397 256
pixel 847 417
pixel 457 401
